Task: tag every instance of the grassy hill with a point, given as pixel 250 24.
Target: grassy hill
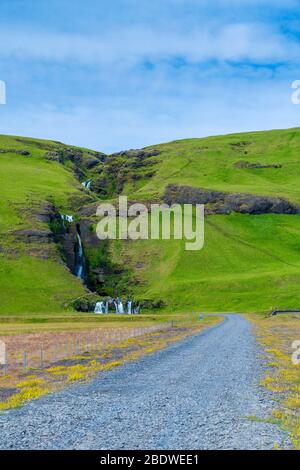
pixel 215 163
pixel 30 281
pixel 250 262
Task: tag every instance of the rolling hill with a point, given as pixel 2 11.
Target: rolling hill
pixel 251 257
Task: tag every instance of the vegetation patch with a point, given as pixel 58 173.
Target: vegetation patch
pixel 84 367
pixel 249 261
pixel 276 335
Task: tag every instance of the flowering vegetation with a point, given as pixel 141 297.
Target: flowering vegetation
pixel 276 335
pixel 105 349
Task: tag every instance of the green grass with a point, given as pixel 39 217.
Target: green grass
pixel 210 163
pixel 28 181
pixel 31 285
pixel 27 283
pixel 248 263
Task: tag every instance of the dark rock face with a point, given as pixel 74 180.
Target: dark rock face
pixel 91 162
pixel 32 236
pixel 102 157
pixel 175 194
pixel 124 167
pixel 46 213
pixel 84 305
pixel 88 210
pixel 224 203
pixel 137 153
pixel 64 154
pixel 80 159
pixel 89 237
pixel 79 173
pixel 68 242
pixel 252 165
pixel 249 204
pixel 18 152
pixel 239 146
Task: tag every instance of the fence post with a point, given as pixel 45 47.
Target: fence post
pixel 41 358
pixel 5 362
pixel 25 360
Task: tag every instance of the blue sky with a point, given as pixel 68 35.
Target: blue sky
pixel 119 74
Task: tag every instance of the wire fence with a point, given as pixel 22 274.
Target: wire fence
pixel 55 348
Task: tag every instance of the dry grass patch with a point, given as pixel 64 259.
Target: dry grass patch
pixel 276 335
pixel 84 367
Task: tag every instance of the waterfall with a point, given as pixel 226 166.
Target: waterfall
pixel 99 307
pixel 68 218
pixel 79 262
pixel 86 184
pixel 120 307
pixel 79 267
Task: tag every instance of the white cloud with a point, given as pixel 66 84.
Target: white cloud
pixel 118 125
pixel 235 42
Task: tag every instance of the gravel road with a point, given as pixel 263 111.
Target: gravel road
pixel 200 393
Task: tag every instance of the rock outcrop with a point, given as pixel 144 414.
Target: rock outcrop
pixel 224 203
pixel 25 153
pixel 33 236
pixel 137 153
pixel 118 169
pixel 253 165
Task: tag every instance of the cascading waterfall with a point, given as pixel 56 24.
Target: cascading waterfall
pixel 86 184
pixel 120 306
pixel 67 218
pixel 127 307
pixel 80 261
pixel 99 307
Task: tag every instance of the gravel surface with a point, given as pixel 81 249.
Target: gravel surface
pixel 200 393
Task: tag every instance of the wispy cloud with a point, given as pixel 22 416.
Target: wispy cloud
pixel 231 42
pixel 112 75
pixel 113 124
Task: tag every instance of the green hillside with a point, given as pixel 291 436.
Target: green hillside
pixel 250 261
pixel 217 163
pixel 32 279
